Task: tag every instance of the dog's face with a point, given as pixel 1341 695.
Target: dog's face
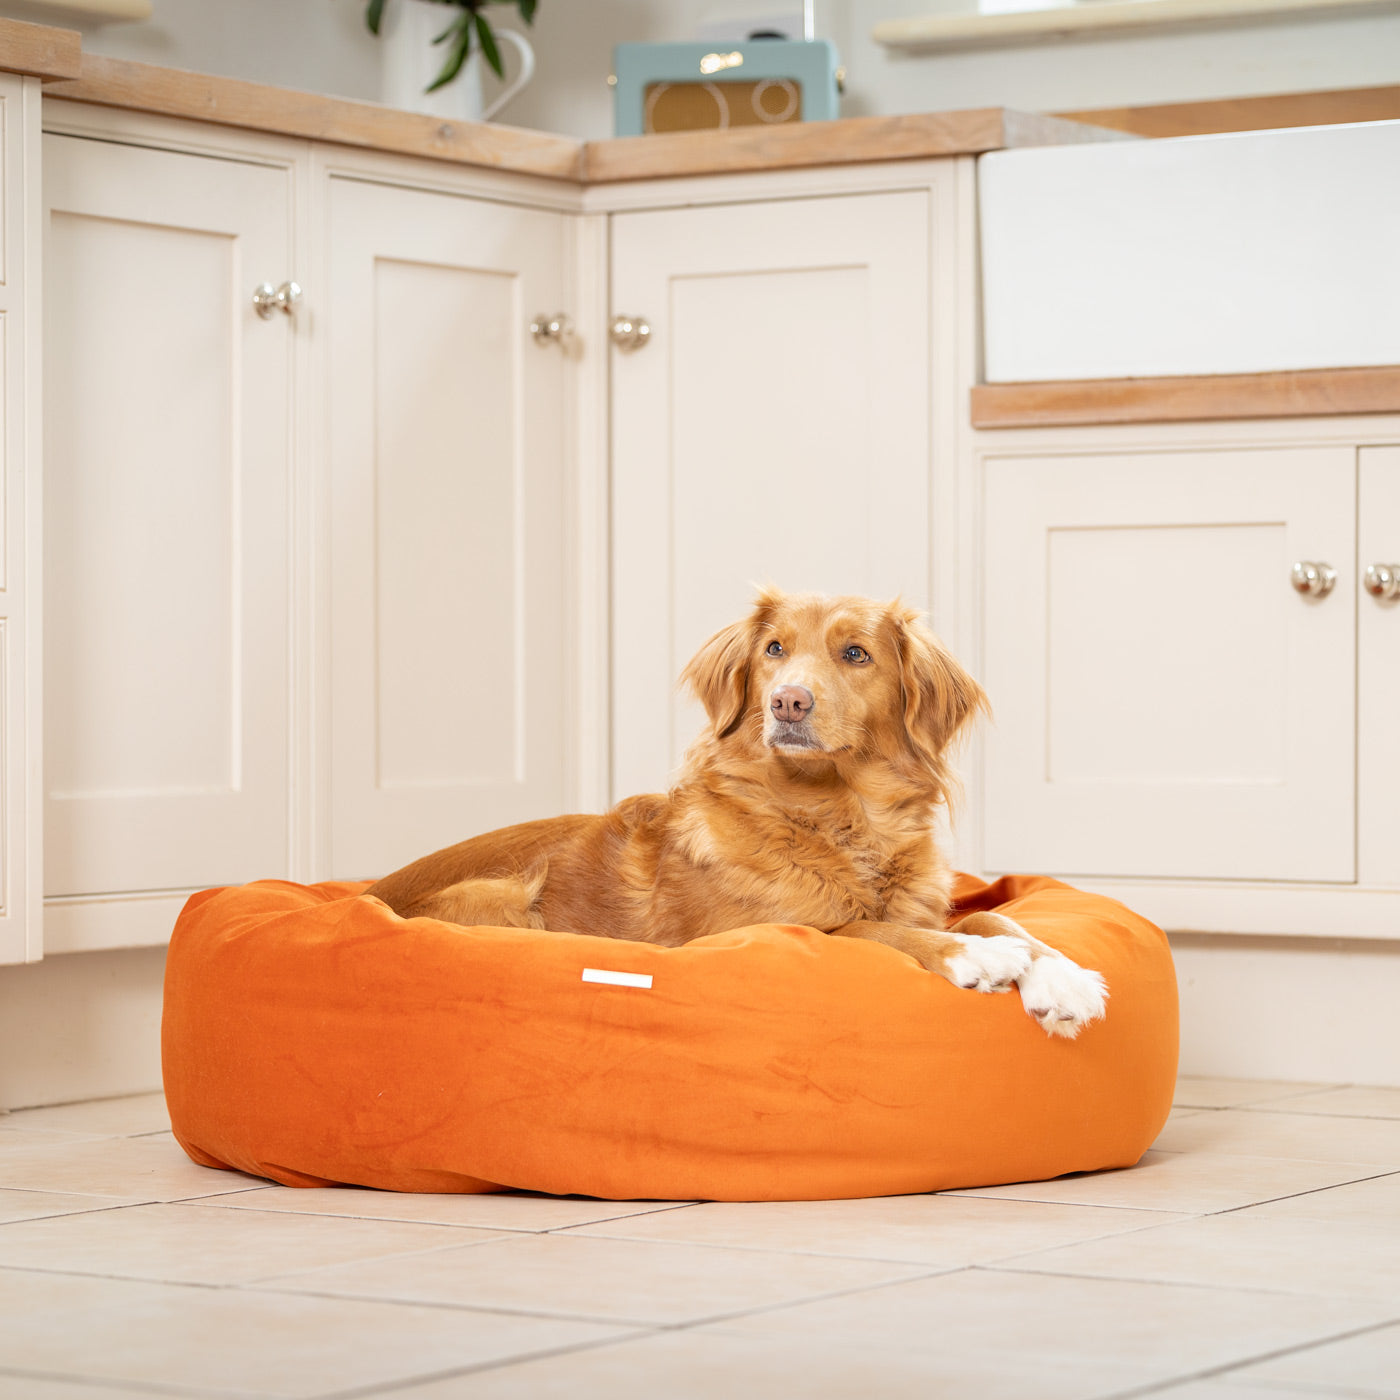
pixel 811 678
pixel 823 673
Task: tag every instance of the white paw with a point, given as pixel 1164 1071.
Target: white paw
pixel 1062 996
pixel 988 964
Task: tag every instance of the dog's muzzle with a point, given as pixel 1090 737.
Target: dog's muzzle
pixel 789 734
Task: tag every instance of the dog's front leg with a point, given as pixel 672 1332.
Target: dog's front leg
pixel 982 964
pixel 990 953
pixel 1055 990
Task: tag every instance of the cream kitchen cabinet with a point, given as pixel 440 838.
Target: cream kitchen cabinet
pixel 1175 719
pixel 447 689
pixel 168 441
pixel 306 567
pixel 21 840
pixel 775 426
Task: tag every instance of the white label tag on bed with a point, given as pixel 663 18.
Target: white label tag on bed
pixel 617 979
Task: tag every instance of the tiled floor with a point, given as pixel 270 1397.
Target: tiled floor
pixel 1253 1255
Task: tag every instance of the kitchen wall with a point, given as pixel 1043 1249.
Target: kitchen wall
pixel 322 45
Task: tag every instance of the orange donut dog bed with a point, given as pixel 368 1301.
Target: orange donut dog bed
pixel 316 1038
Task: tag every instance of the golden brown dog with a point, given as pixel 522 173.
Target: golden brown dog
pixel 809 798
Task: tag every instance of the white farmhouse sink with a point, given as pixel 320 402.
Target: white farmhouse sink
pixel 1230 254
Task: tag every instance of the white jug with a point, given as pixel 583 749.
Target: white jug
pixel 411 61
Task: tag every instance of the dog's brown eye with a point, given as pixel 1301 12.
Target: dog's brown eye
pixel 857 656
pixel 774 649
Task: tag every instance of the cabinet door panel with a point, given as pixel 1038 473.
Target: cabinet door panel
pixel 448 649
pixel 167 433
pixel 775 429
pixel 1378 673
pixel 1166 703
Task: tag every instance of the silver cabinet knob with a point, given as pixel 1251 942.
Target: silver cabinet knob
pixel 552 330
pixel 629 332
pixel 1313 580
pixel 1382 581
pixel 268 299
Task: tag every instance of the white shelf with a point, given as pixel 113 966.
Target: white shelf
pixel 1066 21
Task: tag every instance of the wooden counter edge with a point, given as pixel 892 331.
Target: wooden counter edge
pixel 1322 108
pixel 1286 394
pixel 143 87
pixel 845 141
pixel 40 51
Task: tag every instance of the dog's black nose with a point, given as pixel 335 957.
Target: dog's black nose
pixel 792 702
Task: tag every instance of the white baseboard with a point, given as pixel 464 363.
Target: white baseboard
pixel 80 1027
pixel 1315 1009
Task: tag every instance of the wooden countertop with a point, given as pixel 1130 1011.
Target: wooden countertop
pixel 1188 398
pixel 143 87
pixel 1323 108
pixel 55 55
pixel 840 142
pixel 39 51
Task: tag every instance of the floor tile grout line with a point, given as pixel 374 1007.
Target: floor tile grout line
pixel 484 1367
pixel 1374 1171
pixel 262 1290
pixel 458 1224
pixel 709 1319
pixel 258 1282
pixel 1181 1218
pixel 973 1193
pixel 140 1281
pixel 1262 1157
pixel 1194 1284
pixel 921 1273
pixel 497 1235
pixel 1311 1191
pixel 1326 1117
pixel 265 1282
pixel 1157 1387
pixel 75 1136
pixel 113 1203
pixel 1295 1092
pixel 145 1387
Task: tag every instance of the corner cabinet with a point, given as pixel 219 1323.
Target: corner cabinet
pixel 1182 716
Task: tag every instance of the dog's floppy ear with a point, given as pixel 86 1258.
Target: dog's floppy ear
pixel 940 697
pixel 718 674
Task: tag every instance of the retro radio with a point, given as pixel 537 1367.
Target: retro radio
pixel 714 86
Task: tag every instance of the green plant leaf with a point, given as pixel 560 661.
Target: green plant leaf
pixel 460 32
pixel 489 49
pixel 461 47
